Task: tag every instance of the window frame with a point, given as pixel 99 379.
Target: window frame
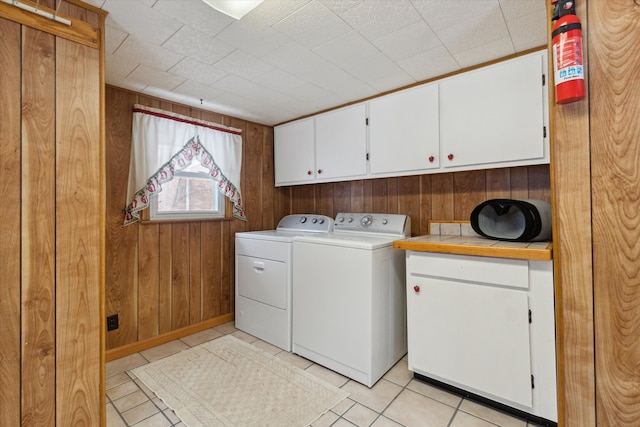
pixel 218 213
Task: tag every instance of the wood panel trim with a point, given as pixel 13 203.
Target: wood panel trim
pixel 10 224
pixel 38 226
pixel 103 223
pixel 136 347
pixel 78 31
pixel 77 234
pixel 573 249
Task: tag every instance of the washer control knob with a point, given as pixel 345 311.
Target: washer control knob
pixel 341 219
pixel 303 219
pixel 384 221
pixel 314 220
pixel 321 221
pixel 350 219
pixel 366 220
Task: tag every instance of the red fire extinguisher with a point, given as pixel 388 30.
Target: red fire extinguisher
pixel 567 53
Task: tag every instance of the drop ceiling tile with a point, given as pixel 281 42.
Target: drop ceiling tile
pixel 164 93
pixel 514 9
pixel 287 84
pixel 196 91
pixel 392 82
pixel 312 25
pixel 139 19
pixel 139 52
pixel 430 64
pixel 129 85
pixel 198 46
pixel 348 48
pixel 194 70
pixel 441 14
pixel 273 11
pixel 293 58
pixel 408 41
pixel 117 70
pixel 337 81
pixel 527 32
pixel 294 80
pixel 376 69
pixel 195 14
pixel 488 26
pixel 247 89
pixel 490 51
pixel 154 77
pixel 113 38
pixel 340 6
pixel 375 19
pixel 238 106
pixel 252 37
pixel 243 65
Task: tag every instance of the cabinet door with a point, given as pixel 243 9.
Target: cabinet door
pixel 294 152
pixel 471 336
pixel 404 131
pixel 494 114
pixel 341 143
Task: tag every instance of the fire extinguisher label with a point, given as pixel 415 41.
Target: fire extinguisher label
pixel 567 56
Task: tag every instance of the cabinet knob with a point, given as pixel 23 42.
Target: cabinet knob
pixel 416 288
pixel 308 172
pixel 319 170
pixel 450 157
pixel 431 159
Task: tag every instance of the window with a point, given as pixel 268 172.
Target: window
pixel 191 194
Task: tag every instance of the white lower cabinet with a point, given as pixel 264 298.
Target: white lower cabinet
pixel 484 325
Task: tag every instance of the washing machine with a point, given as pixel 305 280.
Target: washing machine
pixel 264 277
pixel 349 300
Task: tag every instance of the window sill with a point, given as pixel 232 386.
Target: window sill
pixel 183 221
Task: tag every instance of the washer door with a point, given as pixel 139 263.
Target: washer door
pixel 263 280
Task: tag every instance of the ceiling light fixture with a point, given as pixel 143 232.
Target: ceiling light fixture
pixel 234 8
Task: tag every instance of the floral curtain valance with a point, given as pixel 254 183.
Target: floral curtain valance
pixel 163 143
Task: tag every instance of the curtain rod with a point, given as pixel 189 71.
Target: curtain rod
pixel 37 11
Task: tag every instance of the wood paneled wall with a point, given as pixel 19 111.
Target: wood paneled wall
pixel 50 221
pixel 614 60
pixel 597 231
pixel 445 196
pixel 163 278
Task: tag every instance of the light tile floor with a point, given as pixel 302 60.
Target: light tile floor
pixel 396 400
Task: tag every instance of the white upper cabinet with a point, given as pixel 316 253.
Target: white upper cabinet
pixel 294 152
pixel 404 131
pixel 491 117
pixel 341 143
pixel 495 115
pixel 327 147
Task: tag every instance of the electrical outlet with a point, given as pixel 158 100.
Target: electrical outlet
pixel 112 322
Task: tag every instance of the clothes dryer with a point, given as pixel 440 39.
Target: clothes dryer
pixel 264 277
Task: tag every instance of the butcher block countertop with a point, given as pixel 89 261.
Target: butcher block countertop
pixel 473 245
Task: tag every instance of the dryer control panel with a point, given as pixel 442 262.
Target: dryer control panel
pixel 306 222
pixel 373 223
